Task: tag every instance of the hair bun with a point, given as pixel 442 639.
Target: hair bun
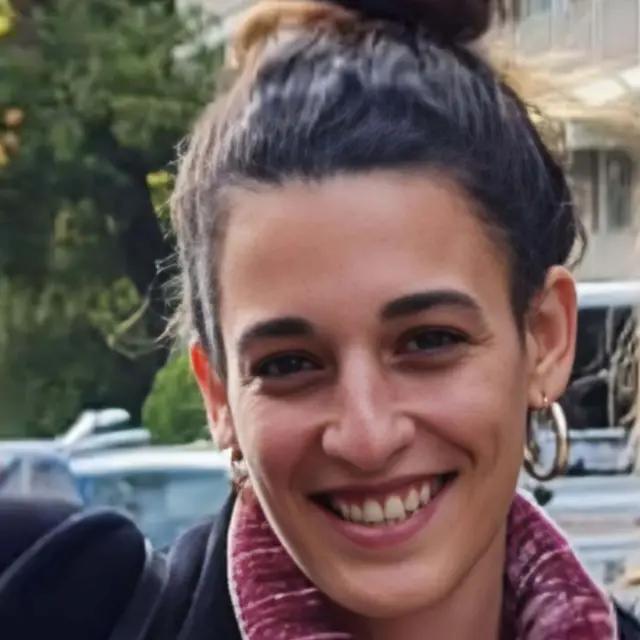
pixel 460 21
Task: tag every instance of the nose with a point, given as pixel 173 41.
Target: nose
pixel 369 430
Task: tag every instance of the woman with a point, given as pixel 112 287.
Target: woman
pixel 373 240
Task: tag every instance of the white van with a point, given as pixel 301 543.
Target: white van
pixel 600 402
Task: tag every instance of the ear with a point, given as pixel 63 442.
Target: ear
pixel 551 337
pixel 214 394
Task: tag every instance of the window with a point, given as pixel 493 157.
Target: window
pixel 603 387
pixel 585 183
pixel 527 8
pixel 36 477
pixel 600 401
pixel 539 6
pixel 13 478
pixel 51 479
pixel 162 503
pixel 619 184
pixel 603 185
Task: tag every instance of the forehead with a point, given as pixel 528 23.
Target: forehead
pixel 305 247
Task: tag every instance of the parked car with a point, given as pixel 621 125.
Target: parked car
pixel 165 490
pixel 102 430
pixel 35 469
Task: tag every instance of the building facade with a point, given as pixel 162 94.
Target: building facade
pixel 591 50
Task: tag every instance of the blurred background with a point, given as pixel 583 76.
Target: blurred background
pixel 95 407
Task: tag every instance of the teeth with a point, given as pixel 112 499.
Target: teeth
pixel 392 510
pixel 356 513
pixel 412 501
pixel 343 507
pixel 372 512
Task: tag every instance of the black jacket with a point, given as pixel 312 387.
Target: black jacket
pixel 89 576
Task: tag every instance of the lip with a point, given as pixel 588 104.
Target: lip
pixel 381 537
pixel 381 488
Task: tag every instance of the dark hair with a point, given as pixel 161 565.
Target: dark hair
pixel 366 85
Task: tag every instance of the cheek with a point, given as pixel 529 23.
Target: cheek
pixel 274 437
pixel 481 408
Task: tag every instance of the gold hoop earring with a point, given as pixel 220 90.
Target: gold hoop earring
pixel 238 470
pixel 532 450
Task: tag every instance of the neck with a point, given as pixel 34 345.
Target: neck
pixel 472 611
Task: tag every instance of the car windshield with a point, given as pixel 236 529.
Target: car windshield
pixel 36 477
pixel 12 480
pixel 602 390
pixel 163 503
pixel 600 401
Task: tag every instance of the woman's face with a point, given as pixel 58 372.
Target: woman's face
pixel 377 384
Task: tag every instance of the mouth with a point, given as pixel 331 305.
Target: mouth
pixel 384 508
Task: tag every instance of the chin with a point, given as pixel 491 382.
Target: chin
pixel 387 598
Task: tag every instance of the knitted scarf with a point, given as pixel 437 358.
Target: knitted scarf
pixel 548 594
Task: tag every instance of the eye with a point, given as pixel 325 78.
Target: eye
pixel 430 340
pixel 283 366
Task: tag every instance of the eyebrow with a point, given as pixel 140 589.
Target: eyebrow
pixel 426 300
pixel 286 327
pixel 412 304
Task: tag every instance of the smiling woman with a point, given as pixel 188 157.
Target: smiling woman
pixel 374 243
pixel 374 240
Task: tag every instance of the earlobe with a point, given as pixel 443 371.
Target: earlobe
pixel 552 326
pixel 214 395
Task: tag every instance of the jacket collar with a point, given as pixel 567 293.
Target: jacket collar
pixel 548 593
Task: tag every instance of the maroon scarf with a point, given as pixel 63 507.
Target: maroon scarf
pixel 548 594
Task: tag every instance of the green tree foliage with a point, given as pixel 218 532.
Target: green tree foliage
pixel 93 100
pixel 174 412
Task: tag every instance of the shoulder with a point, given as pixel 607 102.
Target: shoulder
pixel 64 572
pixel 628 625
pixel 78 575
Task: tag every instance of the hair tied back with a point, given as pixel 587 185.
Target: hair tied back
pixel 271 18
pixel 452 21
